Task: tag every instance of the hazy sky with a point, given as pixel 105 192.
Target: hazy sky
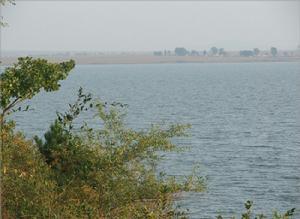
pixel 140 26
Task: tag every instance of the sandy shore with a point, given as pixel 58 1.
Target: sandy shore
pixel 149 59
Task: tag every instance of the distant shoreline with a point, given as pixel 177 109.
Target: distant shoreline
pixel 150 59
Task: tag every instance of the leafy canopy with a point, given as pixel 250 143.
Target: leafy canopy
pixel 27 77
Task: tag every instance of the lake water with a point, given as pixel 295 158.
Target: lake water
pixel 245 131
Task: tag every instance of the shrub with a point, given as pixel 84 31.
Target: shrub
pixel 27 187
pixel 250 215
pixel 104 173
pixel 112 169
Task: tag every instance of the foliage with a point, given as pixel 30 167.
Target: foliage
pixel 80 172
pixel 26 78
pixel 109 172
pixel 194 53
pixel 105 173
pixel 273 51
pixel 256 51
pixel 2 3
pixel 115 164
pixel 247 53
pixel 180 51
pixel 250 215
pixel 222 51
pixel 27 188
pixel 157 53
pixel 26 177
pixel 214 50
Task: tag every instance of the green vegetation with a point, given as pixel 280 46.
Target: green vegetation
pixel 256 51
pixel 109 172
pixel 214 50
pixel 80 172
pixel 247 53
pixel 250 215
pixel 2 3
pixel 180 51
pixel 273 51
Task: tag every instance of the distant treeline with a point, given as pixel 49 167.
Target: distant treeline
pixel 214 51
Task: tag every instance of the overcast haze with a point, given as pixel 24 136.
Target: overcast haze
pixel 147 26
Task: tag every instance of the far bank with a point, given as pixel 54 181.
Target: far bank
pixel 150 59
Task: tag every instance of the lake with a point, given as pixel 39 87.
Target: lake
pixel 245 133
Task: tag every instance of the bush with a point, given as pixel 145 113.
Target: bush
pixel 250 215
pixel 104 173
pixel 107 172
pixel 27 186
pixel 112 169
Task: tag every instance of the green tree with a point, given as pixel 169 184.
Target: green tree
pixel 20 82
pixel 116 164
pixel 246 53
pixel 2 3
pixel 256 51
pixel 108 172
pixel 181 51
pixel 221 52
pixel 273 51
pixel 214 50
pixel 26 78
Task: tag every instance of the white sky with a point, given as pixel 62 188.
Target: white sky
pixel 145 26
